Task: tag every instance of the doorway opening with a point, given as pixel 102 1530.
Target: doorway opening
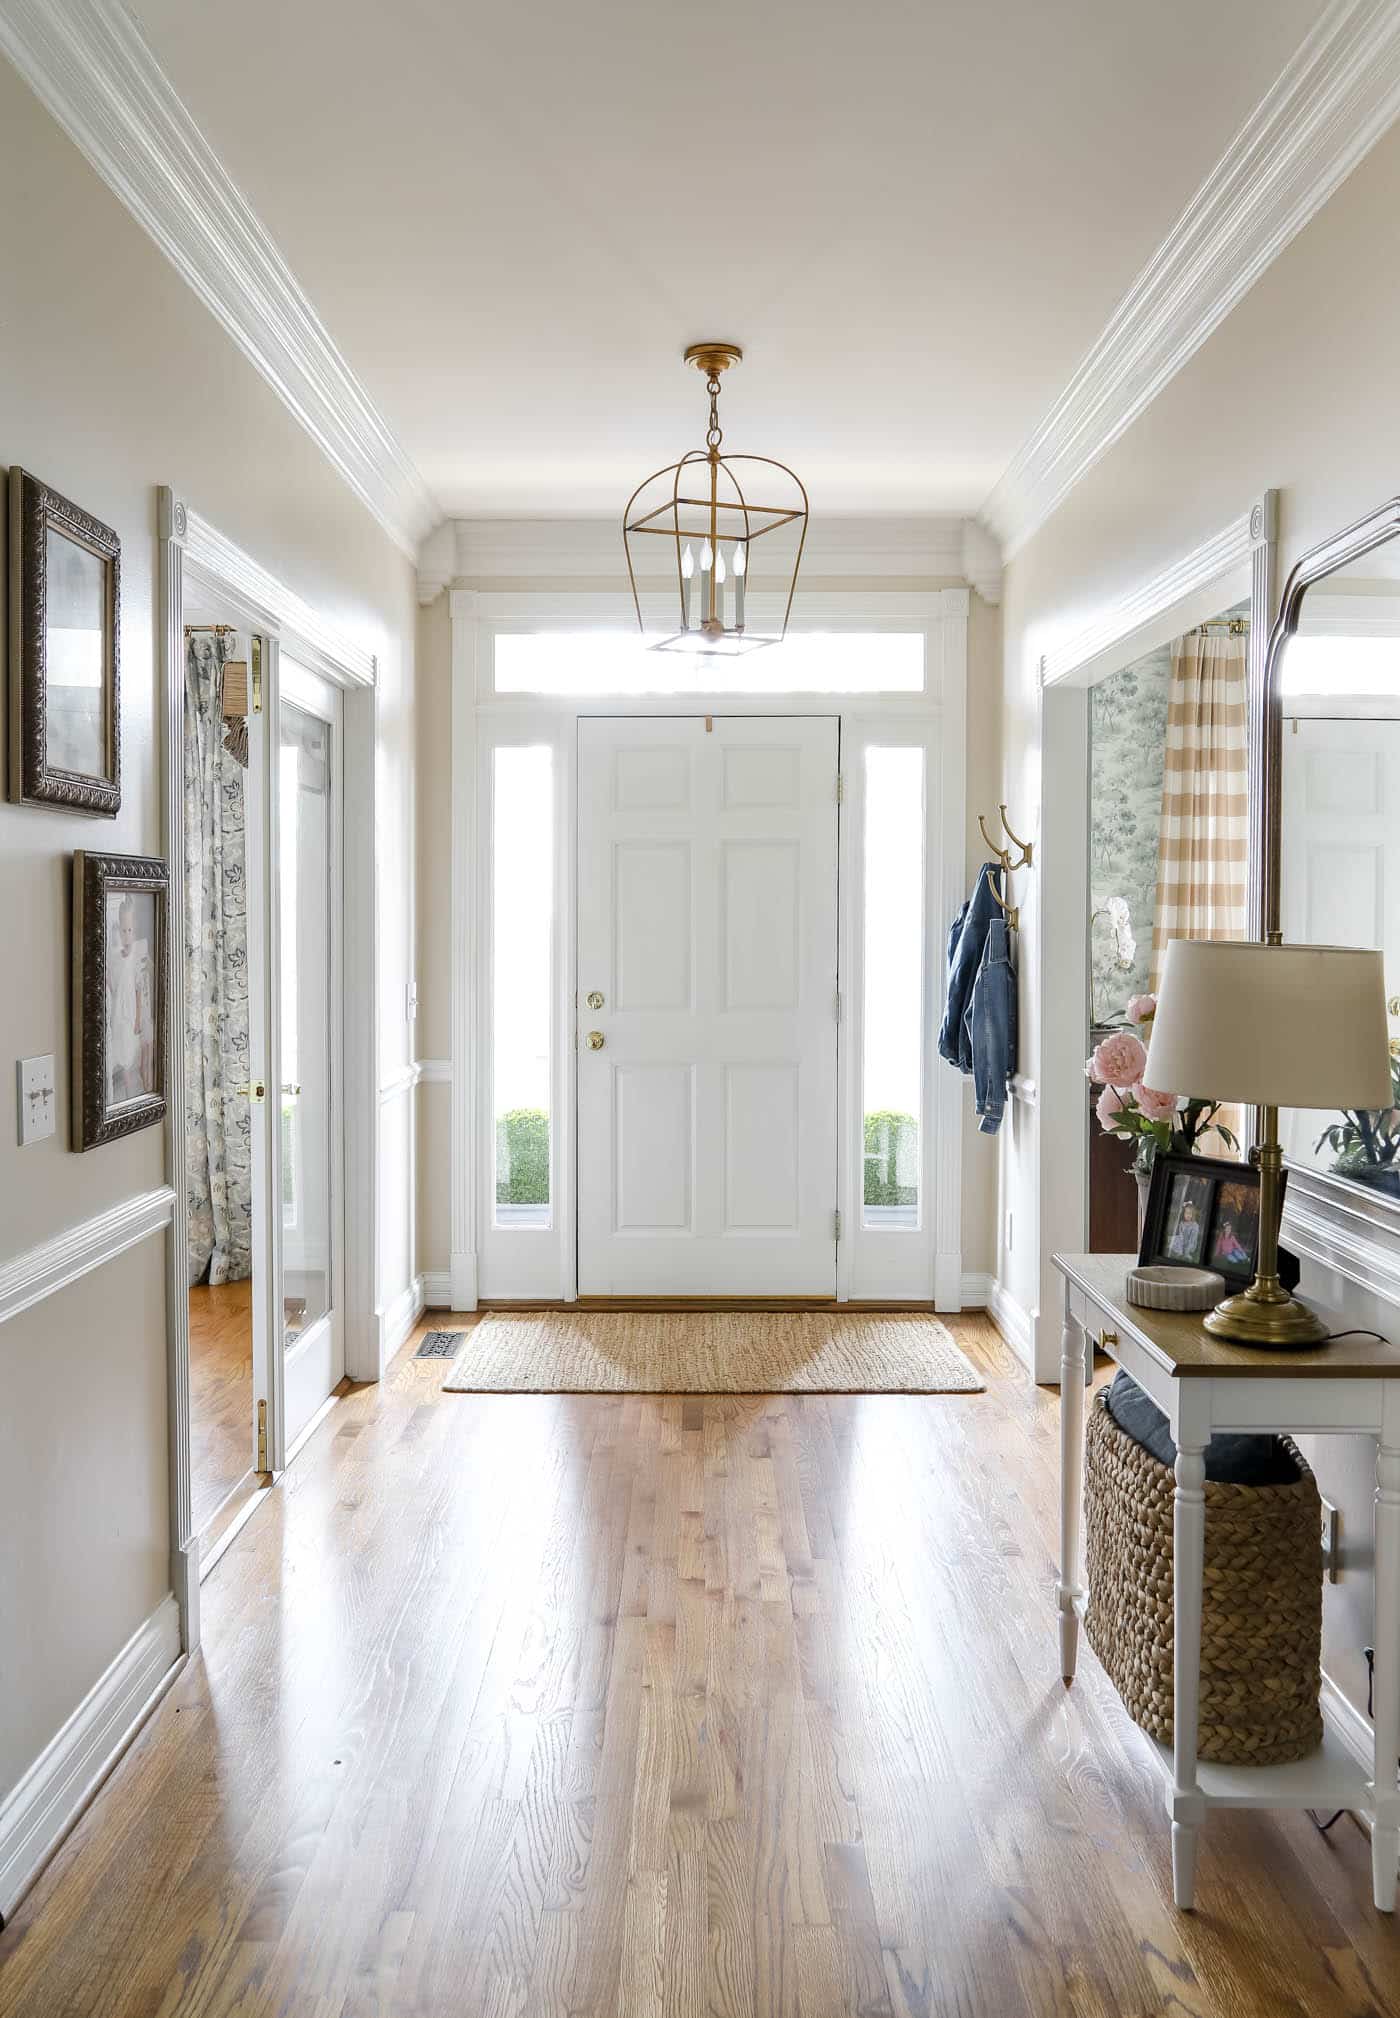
pixel 263 1154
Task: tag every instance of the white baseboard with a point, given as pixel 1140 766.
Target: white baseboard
pixel 1013 1321
pixel 39 1812
pixel 1349 1722
pixel 437 1288
pixel 976 1291
pixel 397 1318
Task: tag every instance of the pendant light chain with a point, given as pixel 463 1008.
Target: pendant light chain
pixel 716 433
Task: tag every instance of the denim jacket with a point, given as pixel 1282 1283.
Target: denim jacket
pixel 991 1027
pixel 967 941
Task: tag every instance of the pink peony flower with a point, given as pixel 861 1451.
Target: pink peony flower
pixel 1109 1106
pixel 1118 1060
pixel 1156 1106
pixel 1141 1008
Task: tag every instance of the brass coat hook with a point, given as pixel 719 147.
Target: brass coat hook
pixel 1003 855
pixel 1027 847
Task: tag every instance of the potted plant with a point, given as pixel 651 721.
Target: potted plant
pixel 1139 1113
pixel 1366 1144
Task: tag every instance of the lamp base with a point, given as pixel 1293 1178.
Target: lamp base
pixel 1278 1322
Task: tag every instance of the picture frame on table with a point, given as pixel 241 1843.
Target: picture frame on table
pixel 64 653
pixel 1203 1212
pixel 121 995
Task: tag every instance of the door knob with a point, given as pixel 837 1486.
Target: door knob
pixel 595 1000
pixel 595 1040
pixel 255 1092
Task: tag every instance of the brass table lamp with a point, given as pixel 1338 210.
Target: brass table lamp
pixel 1270 1026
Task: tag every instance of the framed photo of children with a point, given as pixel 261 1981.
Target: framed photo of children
pixel 121 936
pixel 1203 1212
pixel 65 611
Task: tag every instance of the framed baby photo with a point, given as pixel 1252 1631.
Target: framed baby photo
pixel 1203 1212
pixel 121 936
pixel 65 601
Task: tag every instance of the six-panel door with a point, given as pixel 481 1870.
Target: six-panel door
pixel 707 1087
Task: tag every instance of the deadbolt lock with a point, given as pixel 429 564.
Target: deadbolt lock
pixel 595 1000
pixel 595 1040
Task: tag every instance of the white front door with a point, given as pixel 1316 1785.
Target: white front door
pixel 707 1085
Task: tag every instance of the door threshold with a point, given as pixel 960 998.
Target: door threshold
pixel 231 1517
pixel 813 1304
pixel 237 1509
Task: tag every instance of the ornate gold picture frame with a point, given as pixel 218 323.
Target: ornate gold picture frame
pixel 65 602
pixel 121 995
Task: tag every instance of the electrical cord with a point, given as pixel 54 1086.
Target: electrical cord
pixel 1356 1331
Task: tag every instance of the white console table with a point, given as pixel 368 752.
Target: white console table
pixel 1203 1384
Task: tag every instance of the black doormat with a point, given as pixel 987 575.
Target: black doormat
pixel 439 1345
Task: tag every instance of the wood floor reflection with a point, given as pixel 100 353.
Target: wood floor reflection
pixel 541 1705
pixel 221 1394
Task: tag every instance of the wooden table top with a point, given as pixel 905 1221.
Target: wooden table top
pixel 1185 1349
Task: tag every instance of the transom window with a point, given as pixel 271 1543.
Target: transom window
pixel 619 663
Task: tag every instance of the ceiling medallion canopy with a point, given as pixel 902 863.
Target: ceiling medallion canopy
pixel 700 504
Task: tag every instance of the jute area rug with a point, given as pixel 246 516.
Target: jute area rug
pixel 711 1352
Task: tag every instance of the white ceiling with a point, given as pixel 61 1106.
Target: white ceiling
pixel 916 218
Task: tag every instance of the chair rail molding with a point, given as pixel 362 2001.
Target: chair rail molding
pixel 50 1266
pixel 1333 100
pixel 90 67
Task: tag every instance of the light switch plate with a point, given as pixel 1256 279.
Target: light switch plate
pixel 37 1103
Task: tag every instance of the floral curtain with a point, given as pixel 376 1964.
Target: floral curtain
pixel 219 1168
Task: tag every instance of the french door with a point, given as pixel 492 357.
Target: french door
pixel 707 1005
pixel 304 1095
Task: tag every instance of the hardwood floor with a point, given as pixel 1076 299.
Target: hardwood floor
pixel 221 1394
pixel 540 1705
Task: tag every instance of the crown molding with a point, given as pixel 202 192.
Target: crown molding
pixel 89 66
pixel 943 548
pixel 1333 101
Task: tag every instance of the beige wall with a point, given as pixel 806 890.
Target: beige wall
pixel 114 380
pixel 1295 391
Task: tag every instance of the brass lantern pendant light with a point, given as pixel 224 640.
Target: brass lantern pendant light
pixel 701 506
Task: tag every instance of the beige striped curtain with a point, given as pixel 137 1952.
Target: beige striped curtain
pixel 1203 848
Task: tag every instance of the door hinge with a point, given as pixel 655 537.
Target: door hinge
pixel 836 1223
pixel 838 1005
pixel 257 675
pixel 262 1435
pixel 840 788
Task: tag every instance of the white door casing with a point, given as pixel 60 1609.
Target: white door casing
pixel 707 920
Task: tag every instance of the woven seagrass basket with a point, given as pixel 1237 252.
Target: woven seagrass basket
pixel 1261 1626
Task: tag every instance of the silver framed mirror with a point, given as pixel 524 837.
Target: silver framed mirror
pixel 1329 864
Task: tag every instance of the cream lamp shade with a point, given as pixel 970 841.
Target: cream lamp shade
pixel 1271 1026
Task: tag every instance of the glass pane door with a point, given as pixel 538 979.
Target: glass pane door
pixel 308 1028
